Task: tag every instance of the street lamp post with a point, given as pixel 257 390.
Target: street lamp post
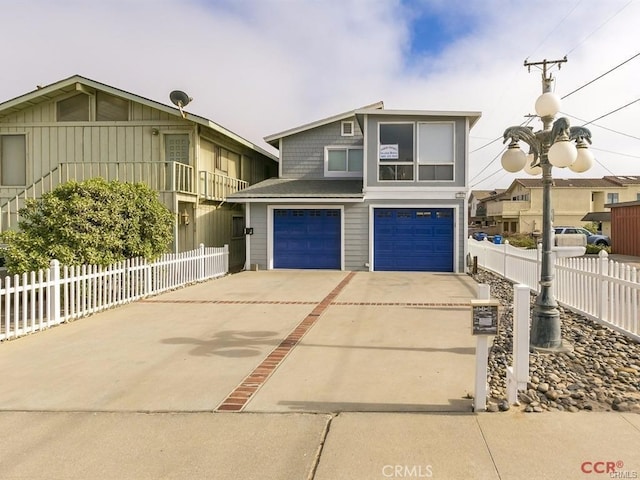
pixel 549 147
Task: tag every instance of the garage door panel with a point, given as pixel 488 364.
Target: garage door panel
pixel 306 238
pixel 413 239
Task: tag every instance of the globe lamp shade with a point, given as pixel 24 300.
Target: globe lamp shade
pixel 584 161
pixel 528 169
pixel 562 153
pixel 547 104
pixel 514 159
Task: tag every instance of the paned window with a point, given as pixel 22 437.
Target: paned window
pixel 435 151
pixel 612 198
pixel 395 151
pixel 343 161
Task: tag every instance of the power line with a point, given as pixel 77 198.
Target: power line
pixel 613 111
pixel 615 153
pixel 604 128
pixel 556 27
pixel 601 25
pixel 598 78
pixel 494 173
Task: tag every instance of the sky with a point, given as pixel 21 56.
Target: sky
pixel 258 67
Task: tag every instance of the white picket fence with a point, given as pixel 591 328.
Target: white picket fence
pixel 598 288
pixel 39 300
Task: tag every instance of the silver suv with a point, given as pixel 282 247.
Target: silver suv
pixel 592 238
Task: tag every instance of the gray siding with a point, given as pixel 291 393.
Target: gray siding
pixel 372 150
pixel 302 154
pixel 356 237
pixel 258 222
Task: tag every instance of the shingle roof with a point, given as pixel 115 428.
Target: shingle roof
pixel 294 188
pixel 568 182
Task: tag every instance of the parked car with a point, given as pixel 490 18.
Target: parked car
pixel 592 238
pixel 479 236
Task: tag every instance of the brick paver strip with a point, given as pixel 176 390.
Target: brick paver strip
pixel 237 399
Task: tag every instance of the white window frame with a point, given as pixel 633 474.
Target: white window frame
pixel 346 173
pixel 452 163
pixel 343 131
pixel 413 162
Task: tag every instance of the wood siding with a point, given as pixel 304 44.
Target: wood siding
pixel 625 230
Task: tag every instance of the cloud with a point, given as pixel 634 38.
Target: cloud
pixel 261 66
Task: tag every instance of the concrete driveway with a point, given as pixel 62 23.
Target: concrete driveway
pixel 187 350
pixel 337 375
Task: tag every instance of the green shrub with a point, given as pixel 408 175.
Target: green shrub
pixel 91 222
pixel 521 240
pixel 595 249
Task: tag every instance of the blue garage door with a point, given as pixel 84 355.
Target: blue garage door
pixel 413 239
pixel 306 238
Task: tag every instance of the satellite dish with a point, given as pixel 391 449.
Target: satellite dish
pixel 180 99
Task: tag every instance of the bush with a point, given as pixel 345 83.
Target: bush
pixel 521 240
pixel 595 249
pixel 91 222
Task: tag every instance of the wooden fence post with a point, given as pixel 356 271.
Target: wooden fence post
pixel 54 292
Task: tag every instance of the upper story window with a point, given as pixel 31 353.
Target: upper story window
pixel 436 151
pixel 612 198
pixel 343 161
pixel 13 160
pixel 395 151
pixel 110 108
pixel 74 109
pixel 347 128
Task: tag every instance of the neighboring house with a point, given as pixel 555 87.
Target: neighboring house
pixel 77 128
pixel 519 208
pixel 369 189
pixel 478 207
pixel 625 228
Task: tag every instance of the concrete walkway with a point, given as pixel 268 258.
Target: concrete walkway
pixel 330 375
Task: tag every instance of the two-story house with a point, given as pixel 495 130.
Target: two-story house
pixel 519 208
pixel 77 129
pixel 369 189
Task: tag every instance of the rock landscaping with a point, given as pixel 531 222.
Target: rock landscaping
pixel 602 373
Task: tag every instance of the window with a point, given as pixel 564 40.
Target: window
pixel 435 151
pixel 343 161
pixel 74 109
pixel 13 160
pixel 395 151
pixel 347 129
pixel 177 148
pixel 110 108
pixel 612 198
pixel 237 227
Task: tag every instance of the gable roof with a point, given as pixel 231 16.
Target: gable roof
pixel 274 138
pixel 79 83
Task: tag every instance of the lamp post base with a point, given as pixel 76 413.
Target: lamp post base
pixel 545 331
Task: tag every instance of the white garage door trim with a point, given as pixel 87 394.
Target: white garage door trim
pixel 271 208
pixel 456 226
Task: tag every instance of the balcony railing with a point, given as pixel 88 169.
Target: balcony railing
pixel 217 187
pixel 159 176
